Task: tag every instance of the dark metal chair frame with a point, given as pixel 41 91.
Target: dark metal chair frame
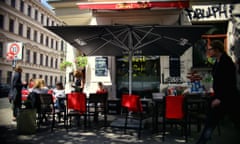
pixel 96 103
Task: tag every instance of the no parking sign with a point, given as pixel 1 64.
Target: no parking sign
pixel 15 49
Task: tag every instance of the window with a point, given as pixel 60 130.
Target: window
pixel 27 77
pixel 51 80
pixel 52 41
pixel 51 65
pixel 46 41
pixel 22 6
pixel 62 45
pixel 56 63
pixel 9 77
pixel 36 15
pixel 42 18
pixel 28 32
pixel 28 57
pixel 175 68
pixel 29 10
pixel 20 29
pixel 55 81
pixel 41 59
pixel 61 78
pixel 41 38
pixel 56 45
pixel 13 3
pixel 46 61
pixel 1 21
pixel 1 49
pixel 34 57
pixel 46 79
pixel 145 74
pixel 47 21
pixel 35 35
pixel 34 76
pixel 11 25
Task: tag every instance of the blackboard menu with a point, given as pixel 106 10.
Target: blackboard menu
pixel 101 66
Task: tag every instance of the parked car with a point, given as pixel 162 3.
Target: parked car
pixel 4 89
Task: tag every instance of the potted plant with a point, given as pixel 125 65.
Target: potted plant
pixel 65 64
pixel 81 61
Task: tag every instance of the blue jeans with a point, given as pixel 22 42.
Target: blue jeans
pixel 211 122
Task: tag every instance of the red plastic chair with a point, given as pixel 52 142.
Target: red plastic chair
pixel 175 113
pixel 76 106
pixel 25 93
pixel 133 105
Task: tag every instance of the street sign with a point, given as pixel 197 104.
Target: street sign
pixel 10 56
pixel 15 48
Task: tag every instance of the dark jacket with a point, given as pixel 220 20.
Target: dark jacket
pixel 224 81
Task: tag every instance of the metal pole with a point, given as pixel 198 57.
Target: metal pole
pixel 130 71
pixel 130 55
pixel 14 63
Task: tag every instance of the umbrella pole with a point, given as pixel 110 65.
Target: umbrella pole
pixel 130 72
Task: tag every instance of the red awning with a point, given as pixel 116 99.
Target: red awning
pixel 133 5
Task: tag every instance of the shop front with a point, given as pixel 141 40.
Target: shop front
pixel 147 71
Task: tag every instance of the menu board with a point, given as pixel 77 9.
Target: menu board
pixel 101 66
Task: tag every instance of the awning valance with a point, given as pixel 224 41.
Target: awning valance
pixel 178 4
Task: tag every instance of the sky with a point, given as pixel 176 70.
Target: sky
pixel 44 2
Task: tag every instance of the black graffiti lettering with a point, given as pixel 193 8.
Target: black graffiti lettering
pixel 214 11
pixel 223 11
pixel 199 13
pixel 189 12
pixel 211 11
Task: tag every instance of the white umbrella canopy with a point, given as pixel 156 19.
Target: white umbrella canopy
pixel 130 40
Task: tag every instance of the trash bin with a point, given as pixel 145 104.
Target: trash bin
pixel 26 121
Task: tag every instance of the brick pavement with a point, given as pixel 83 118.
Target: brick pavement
pixel 98 134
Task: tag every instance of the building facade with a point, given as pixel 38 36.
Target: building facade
pixel 42 52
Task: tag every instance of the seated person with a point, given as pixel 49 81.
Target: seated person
pixel 101 89
pixel 78 85
pixel 38 88
pixel 59 96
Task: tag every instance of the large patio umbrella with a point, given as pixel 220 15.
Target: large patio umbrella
pixel 120 40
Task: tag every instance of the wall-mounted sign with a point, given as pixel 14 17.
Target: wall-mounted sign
pixel 101 66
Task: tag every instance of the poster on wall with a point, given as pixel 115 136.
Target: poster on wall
pixel 101 66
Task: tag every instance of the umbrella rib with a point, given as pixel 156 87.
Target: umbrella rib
pixel 146 34
pixel 147 43
pixel 181 42
pixel 92 52
pixel 112 42
pixel 118 41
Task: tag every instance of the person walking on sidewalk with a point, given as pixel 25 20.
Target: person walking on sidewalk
pixel 16 88
pixel 225 90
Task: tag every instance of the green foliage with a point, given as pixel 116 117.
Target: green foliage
pixel 65 64
pixel 81 61
pixel 210 61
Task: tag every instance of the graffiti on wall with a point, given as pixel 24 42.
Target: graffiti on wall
pixel 210 12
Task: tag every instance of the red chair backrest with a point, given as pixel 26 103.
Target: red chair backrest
pixel 77 101
pixel 174 107
pixel 132 102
